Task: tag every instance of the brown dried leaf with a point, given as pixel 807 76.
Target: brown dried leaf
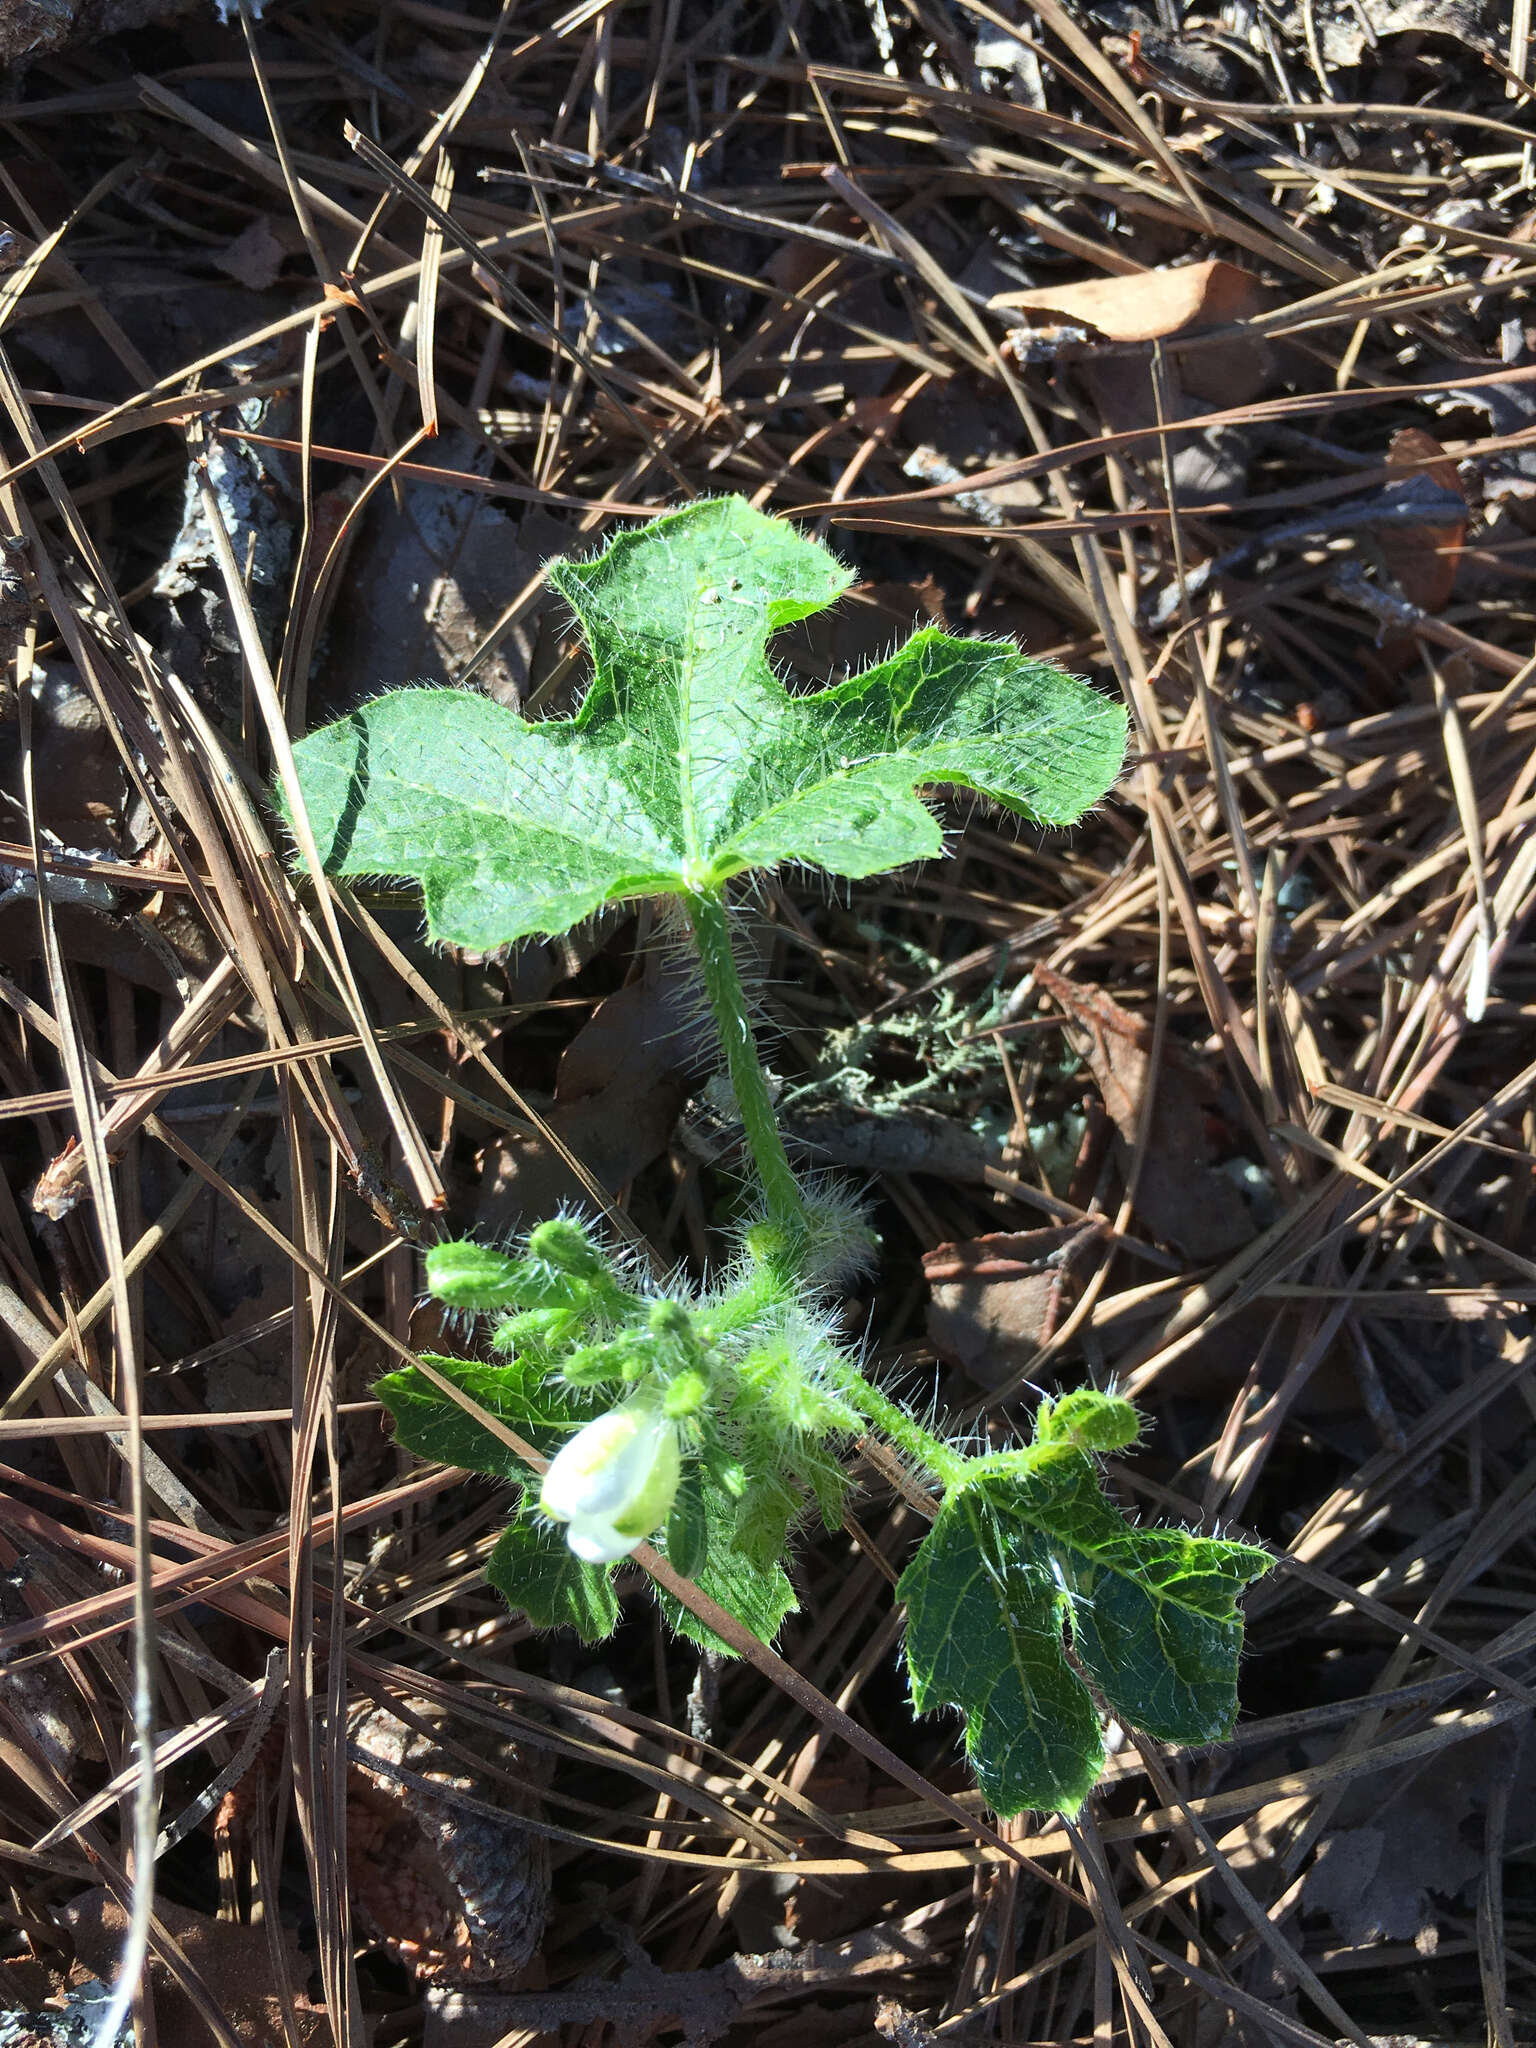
pixel 1400 1848
pixel 426 582
pixel 996 1299
pixel 1148 305
pixel 644 1031
pixel 621 1082
pixel 1180 1196
pixel 1424 558
pixel 234 1962
pixel 1152 305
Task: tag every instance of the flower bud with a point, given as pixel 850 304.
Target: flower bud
pixel 477 1277
pixel 563 1243
pixel 686 1393
pixel 669 1318
pixel 614 1482
pixel 1091 1420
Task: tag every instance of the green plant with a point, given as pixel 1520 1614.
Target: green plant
pixel 712 1421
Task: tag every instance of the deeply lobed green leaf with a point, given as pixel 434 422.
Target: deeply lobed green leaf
pixel 1027 1557
pixel 688 762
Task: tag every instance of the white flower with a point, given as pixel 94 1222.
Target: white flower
pixel 614 1482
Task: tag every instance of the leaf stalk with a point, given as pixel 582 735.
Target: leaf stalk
pixel 921 1445
pixel 709 921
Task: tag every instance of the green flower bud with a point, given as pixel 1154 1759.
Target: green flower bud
pixel 595 1365
pixel 538 1332
pixel 671 1319
pixel 565 1244
pixel 1094 1421
pixel 471 1276
pixel 686 1394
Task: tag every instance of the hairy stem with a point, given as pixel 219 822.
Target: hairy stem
pixel 728 1001
pixel 893 1421
pixel 710 924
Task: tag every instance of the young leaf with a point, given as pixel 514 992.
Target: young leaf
pixel 687 1540
pixel 534 1571
pixel 1098 1422
pixel 1030 1547
pixel 759 1598
pixel 428 1422
pixel 688 762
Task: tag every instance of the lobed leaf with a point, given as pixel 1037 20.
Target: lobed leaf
pixel 1153 1612
pixel 984 1634
pixel 1028 1557
pixel 688 762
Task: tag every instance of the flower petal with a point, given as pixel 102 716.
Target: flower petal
pixel 597 1542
